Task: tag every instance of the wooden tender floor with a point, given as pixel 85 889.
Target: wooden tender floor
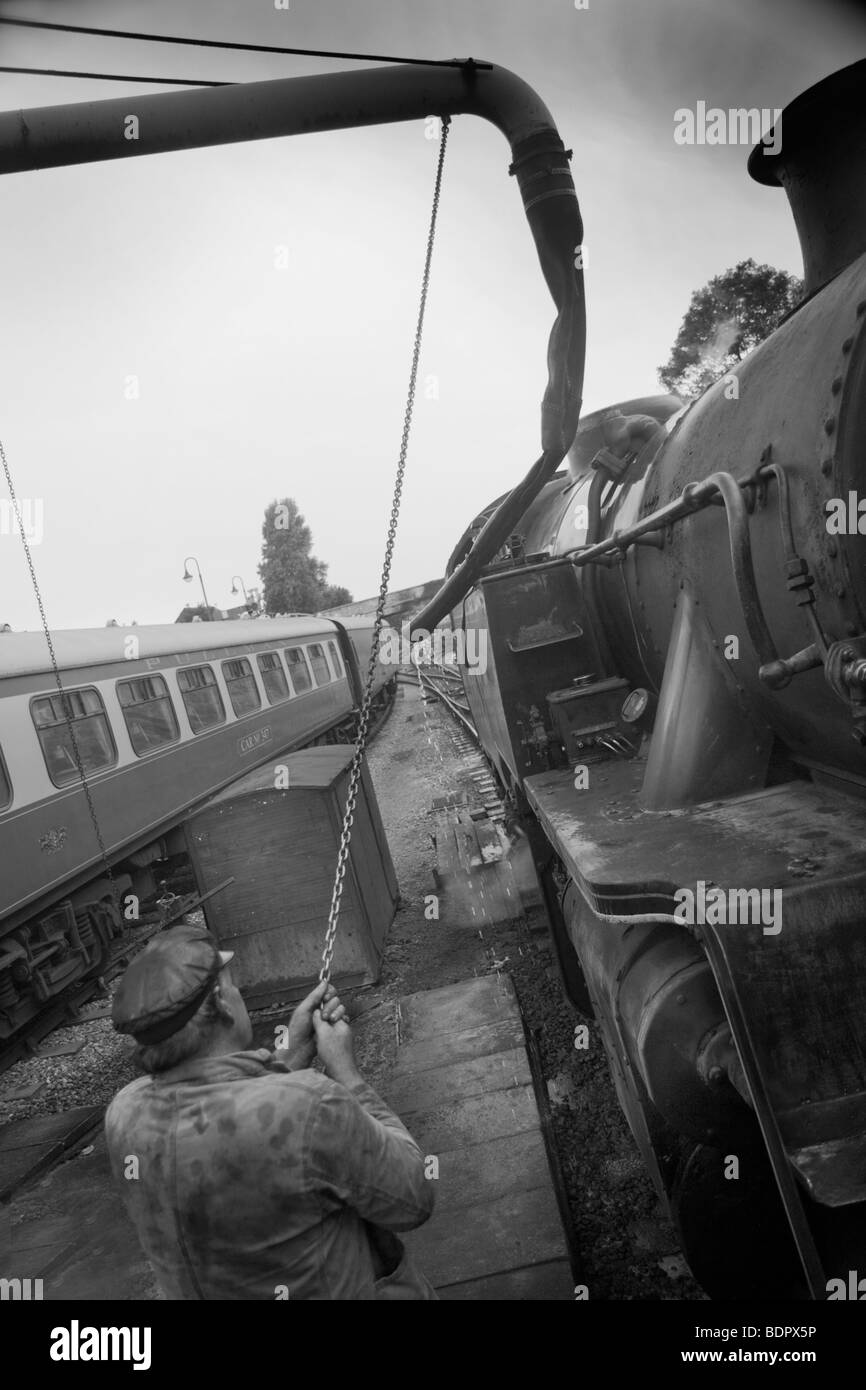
pixel 463 1086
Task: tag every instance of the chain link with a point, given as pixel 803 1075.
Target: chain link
pixel 64 699
pixel 366 704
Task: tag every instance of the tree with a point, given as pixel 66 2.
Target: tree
pixel 334 596
pixel 726 319
pixel 293 580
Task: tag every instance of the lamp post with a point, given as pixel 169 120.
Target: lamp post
pixel 236 580
pixel 188 579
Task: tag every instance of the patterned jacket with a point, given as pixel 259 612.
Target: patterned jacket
pixel 245 1180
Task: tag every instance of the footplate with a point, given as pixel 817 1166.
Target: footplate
pixel 791 970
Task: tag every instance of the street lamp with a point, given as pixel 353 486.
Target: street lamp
pixel 188 579
pixel 250 605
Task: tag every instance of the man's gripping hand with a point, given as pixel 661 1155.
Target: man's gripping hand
pixel 335 1048
pixel 301 1044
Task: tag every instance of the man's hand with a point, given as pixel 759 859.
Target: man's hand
pixel 335 1048
pixel 301 1045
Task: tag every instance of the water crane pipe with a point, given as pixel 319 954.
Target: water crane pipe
pixel 50 136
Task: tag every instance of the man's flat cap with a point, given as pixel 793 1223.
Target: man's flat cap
pixel 167 983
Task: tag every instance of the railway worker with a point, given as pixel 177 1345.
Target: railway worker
pixel 247 1174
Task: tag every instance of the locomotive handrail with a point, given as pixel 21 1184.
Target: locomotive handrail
pixel 120 128
pixel 695 497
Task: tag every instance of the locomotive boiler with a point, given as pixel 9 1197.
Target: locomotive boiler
pixel 675 695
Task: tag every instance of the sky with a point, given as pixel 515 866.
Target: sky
pixel 263 296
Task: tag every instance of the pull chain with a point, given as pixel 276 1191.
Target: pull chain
pixel 364 717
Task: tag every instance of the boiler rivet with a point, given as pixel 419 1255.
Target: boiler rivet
pixel 839 591
pixel 827 466
pixel 681 998
pixel 829 424
pixel 848 344
pixel 836 385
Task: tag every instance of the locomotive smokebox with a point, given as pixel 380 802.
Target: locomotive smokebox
pixel 821 164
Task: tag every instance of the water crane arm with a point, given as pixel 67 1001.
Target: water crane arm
pixel 51 136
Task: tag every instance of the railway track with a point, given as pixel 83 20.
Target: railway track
pixel 447 685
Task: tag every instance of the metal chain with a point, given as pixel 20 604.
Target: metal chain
pixel 364 718
pixel 64 700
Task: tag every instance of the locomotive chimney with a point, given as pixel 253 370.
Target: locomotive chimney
pixel 821 164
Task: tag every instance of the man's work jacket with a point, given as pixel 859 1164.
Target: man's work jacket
pixel 246 1180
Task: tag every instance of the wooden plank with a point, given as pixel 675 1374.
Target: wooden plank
pixel 548 1283
pixel 28 1147
pixel 476 878
pixel 472 1121
pixel 462 1046
pixel 408 1092
pixel 520 1229
pixel 470 1004
pixel 66 1049
pixel 44 1129
pixel 496 1216
pixel 484 1172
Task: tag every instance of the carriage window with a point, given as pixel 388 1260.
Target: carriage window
pixel 149 713
pixel 336 661
pixel 201 696
pixel 319 663
pixel 298 669
pixel 273 677
pixel 5 784
pixel 242 688
pixel 92 733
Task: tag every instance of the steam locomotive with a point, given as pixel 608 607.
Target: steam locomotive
pixel 675 690
pixel 675 697
pixel 161 718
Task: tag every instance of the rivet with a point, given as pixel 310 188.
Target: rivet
pixel 829 424
pixel 836 385
pixel 681 998
pixel 848 344
pixel 839 591
pixel 827 466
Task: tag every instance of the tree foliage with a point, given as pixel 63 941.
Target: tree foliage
pixel 293 580
pixel 726 319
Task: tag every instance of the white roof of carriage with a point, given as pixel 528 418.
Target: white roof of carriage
pixel 24 653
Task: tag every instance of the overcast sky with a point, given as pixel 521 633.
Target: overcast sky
pixel 259 382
